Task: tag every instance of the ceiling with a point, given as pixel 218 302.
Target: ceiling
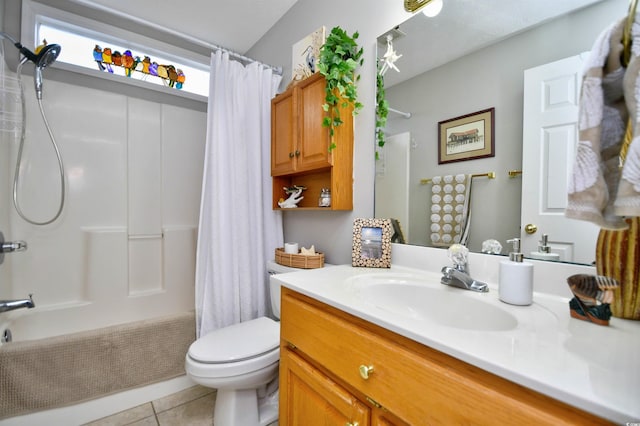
pixel 462 27
pixel 234 24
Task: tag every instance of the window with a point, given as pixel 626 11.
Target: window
pixel 156 62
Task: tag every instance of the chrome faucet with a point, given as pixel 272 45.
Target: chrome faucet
pixel 458 278
pixel 10 305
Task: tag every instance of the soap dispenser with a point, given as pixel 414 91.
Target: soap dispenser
pixel 544 251
pixel 515 281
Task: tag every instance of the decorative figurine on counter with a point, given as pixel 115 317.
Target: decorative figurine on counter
pixel 593 294
pixel 294 193
pixel 311 251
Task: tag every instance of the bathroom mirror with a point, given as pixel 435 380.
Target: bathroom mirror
pixel 471 57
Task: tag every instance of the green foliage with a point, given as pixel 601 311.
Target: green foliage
pixel 340 56
pixel 382 110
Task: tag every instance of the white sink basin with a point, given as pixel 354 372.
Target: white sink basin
pixel 427 299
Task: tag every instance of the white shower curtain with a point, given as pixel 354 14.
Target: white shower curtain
pixel 238 229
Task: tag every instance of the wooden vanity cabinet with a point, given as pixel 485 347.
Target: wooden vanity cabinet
pixel 323 350
pixel 300 147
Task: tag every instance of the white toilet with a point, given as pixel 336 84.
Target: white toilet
pixel 241 362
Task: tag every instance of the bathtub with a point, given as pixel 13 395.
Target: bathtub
pixel 128 286
pixel 60 362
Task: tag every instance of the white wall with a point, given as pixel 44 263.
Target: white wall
pixel 331 232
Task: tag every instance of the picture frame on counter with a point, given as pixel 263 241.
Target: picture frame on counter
pixel 371 243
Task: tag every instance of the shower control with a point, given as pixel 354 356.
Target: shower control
pixel 10 246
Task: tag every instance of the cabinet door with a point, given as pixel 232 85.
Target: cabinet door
pixel 308 397
pixel 379 417
pixel 313 138
pixel 283 134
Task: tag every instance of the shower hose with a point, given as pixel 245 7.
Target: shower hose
pixel 16 176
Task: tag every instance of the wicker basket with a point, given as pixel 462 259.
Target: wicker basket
pixel 299 260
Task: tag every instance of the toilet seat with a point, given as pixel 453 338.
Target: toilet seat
pixel 238 349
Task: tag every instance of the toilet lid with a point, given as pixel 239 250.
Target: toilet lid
pixel 237 342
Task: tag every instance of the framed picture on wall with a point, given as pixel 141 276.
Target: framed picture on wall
pixel 371 243
pixel 467 137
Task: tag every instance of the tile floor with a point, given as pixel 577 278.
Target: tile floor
pixel 190 407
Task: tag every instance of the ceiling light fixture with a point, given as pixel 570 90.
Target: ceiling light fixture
pixel 430 8
pixel 433 8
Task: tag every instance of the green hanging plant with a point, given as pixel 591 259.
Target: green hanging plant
pixel 339 57
pixel 382 110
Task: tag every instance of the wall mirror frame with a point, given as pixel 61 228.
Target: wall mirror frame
pixel 471 57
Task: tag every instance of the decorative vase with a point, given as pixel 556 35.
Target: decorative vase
pixel 618 257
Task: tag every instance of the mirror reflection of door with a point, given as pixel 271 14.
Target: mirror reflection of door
pixel 550 135
pixel 392 181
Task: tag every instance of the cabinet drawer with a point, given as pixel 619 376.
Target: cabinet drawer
pixel 416 383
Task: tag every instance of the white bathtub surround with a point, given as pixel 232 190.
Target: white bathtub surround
pixel 238 230
pixel 91 268
pixel 592 367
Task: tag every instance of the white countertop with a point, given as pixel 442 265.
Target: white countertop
pixel 594 368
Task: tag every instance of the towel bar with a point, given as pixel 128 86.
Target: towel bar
pixel 490 175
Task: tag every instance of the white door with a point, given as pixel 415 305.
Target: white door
pixel 392 181
pixel 550 133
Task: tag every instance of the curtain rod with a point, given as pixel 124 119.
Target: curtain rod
pixel 186 37
pixel 404 114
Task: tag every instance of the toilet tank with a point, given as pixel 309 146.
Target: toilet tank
pixel 274 268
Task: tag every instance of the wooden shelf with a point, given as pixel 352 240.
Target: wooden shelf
pixel 300 148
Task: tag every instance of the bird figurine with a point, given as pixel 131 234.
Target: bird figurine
pixel 592 296
pixel 106 59
pixel 173 75
pixel 153 68
pixel 128 63
pixel 97 56
pixel 163 72
pixel 116 58
pixel 146 63
pixel 180 80
pixel 295 196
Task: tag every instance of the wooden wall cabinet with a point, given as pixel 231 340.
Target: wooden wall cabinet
pixel 323 350
pixel 300 147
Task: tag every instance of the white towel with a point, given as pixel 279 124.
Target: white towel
pixel 450 209
pixel 599 191
pixel 627 201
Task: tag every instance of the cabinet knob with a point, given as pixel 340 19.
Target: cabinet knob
pixel 291 155
pixel 365 371
pixel 352 424
pixel 297 153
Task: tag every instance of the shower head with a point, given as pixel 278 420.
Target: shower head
pixel 45 56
